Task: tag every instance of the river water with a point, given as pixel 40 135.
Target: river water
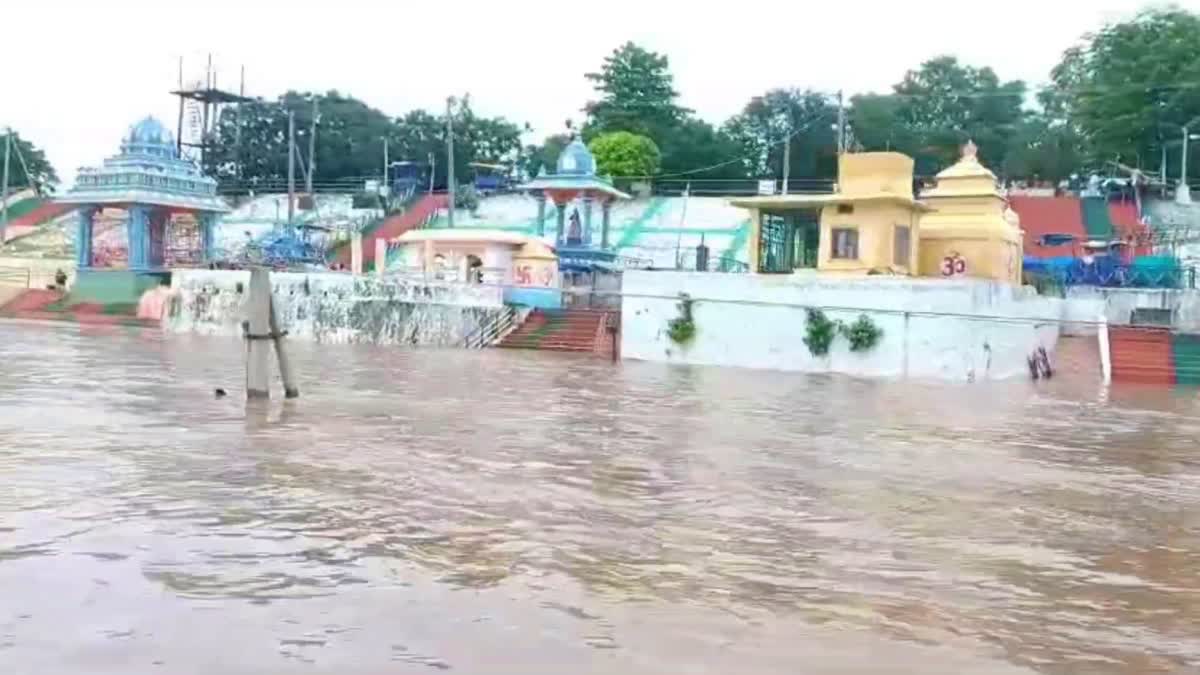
pixel 528 513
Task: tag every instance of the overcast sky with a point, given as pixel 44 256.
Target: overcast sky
pixel 76 74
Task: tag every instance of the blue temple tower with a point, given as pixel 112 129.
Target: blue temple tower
pixel 575 181
pixel 159 192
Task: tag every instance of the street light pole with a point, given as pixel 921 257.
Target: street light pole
pixel 1182 194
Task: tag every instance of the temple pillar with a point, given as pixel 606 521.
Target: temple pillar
pixel 541 217
pixel 562 221
pixel 156 236
pixel 138 229
pixel 605 214
pixel 83 237
pixel 586 238
pixel 208 246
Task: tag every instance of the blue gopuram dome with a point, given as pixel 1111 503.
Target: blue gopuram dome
pixel 576 159
pixel 149 137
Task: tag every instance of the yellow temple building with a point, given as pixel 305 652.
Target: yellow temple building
pixel 872 224
pixel 970 231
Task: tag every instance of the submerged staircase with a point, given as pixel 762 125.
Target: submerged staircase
pixel 395 225
pixel 562 330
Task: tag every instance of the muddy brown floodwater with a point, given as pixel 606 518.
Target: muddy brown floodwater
pixel 523 513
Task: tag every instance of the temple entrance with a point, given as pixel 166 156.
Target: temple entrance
pixel 788 241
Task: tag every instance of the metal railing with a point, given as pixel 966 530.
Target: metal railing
pixel 687 261
pixel 16 276
pixel 493 331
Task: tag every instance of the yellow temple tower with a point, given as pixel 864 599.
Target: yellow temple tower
pixel 971 232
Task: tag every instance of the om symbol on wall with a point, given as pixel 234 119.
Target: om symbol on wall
pixel 954 265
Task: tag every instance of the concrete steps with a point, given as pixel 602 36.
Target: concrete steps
pixel 572 330
pixel 1141 354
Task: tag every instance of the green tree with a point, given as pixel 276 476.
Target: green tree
pixel 544 156
pixel 624 154
pixel 805 118
pixel 1043 148
pixel 876 124
pixel 945 103
pixel 693 145
pixel 350 138
pixel 1131 87
pixel 28 166
pixel 637 94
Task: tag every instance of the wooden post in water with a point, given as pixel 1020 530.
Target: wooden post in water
pixel 262 330
pixel 290 388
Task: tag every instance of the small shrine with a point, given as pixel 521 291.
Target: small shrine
pixel 971 231
pixel 170 209
pixel 574 185
pixel 869 225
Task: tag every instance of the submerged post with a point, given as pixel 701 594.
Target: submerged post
pixel 262 330
pixel 1105 350
pixel 290 389
pixel 258 320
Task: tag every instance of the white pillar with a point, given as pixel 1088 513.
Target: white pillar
pixel 356 253
pixel 258 346
pixel 380 257
pixel 1105 353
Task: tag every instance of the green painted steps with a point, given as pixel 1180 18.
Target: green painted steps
pixel 1185 351
pixel 1096 220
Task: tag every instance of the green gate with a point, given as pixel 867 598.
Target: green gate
pixel 788 241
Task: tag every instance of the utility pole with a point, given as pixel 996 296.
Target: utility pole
pixel 384 186
pixel 787 155
pixel 4 193
pixel 312 151
pixel 450 160
pixel 841 122
pixel 1182 193
pixel 291 172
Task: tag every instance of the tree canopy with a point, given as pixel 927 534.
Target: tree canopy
pixel 936 108
pixel 25 155
pixel 1131 87
pixel 350 138
pixel 637 94
pixel 621 154
pixel 804 119
pixel 1125 92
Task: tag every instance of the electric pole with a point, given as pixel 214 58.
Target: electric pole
pixel 312 152
pixel 450 160
pixel 787 154
pixel 384 185
pixel 291 172
pixel 841 122
pixel 4 193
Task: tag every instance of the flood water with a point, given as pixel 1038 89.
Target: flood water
pixel 526 513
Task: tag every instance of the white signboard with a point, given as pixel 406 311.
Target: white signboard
pixel 766 187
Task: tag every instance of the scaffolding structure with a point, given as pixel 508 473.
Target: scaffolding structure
pixel 205 100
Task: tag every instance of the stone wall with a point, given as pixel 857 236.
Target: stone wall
pixel 327 307
pixel 961 330
pixel 1118 304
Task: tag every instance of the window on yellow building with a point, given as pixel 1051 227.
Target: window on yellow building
pixel 901 245
pixel 845 243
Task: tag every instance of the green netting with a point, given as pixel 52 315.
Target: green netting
pixel 1095 218
pixel 1185 350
